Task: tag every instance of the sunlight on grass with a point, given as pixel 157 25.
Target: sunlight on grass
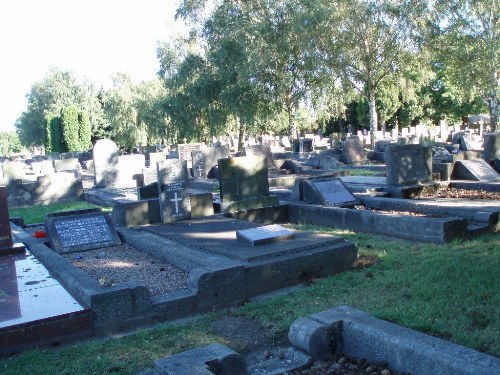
pixel 36 214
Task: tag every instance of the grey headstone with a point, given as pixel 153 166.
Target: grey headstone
pixel 174 194
pixel 476 170
pixel 14 170
pixel 353 150
pixel 67 164
pixel 105 154
pixel 261 150
pixel 408 165
pixel 471 142
pixel 491 146
pixel 155 157
pixel 328 192
pixel 184 151
pixel 264 234
pixel 205 159
pixel 69 233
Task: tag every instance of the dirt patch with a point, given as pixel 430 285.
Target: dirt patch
pixel 468 194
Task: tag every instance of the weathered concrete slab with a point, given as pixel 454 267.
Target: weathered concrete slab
pixel 354 333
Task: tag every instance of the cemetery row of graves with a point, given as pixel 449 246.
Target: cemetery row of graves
pixel 222 226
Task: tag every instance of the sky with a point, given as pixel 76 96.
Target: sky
pixel 91 38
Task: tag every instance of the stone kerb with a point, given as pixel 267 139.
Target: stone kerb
pixel 350 332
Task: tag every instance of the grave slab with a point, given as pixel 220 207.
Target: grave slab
pixel 217 235
pixel 79 232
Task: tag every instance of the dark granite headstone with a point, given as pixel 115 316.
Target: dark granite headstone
pixel 205 159
pixel 328 192
pixel 105 154
pixel 408 165
pixel 353 150
pixel 6 244
pixel 264 235
pixel 475 170
pixel 244 180
pixel 491 146
pixel 174 194
pixel 74 231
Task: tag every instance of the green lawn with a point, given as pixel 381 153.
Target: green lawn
pixel 450 291
pixel 36 214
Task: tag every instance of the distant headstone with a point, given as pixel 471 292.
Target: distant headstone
pixel 105 154
pixel 408 165
pixel 150 175
pixel 262 150
pixel 328 192
pixel 184 152
pixel 470 142
pixel 14 171
pixel 174 194
pixel 491 146
pixel 205 159
pixel 353 150
pixel 155 157
pixel 67 164
pixel 476 170
pixel 75 231
pixel 6 244
pixel 244 183
pixel 263 235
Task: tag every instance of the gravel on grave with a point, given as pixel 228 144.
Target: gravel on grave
pixel 119 264
pixel 348 366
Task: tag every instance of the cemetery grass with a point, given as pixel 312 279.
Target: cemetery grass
pixel 449 291
pixel 36 214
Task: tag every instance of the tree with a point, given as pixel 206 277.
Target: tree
pixel 70 128
pixel 372 42
pixel 467 42
pixel 9 143
pixel 84 131
pixel 58 89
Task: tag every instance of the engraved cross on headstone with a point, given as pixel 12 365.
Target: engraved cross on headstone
pixel 200 169
pixel 176 200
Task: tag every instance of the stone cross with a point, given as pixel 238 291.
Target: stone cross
pixel 176 200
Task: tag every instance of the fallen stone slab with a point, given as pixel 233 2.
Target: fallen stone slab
pixel 212 359
pixel 350 332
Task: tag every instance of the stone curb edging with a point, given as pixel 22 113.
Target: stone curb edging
pixel 347 331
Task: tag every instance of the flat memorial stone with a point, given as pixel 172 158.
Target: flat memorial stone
pixel 263 235
pixel 329 192
pixel 79 232
pixel 476 170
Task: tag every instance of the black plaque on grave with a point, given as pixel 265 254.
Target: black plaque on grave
pixel 328 192
pixel 263 235
pixel 175 203
pixel 72 233
pixel 475 170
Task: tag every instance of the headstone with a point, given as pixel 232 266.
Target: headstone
pixel 263 235
pixel 174 194
pixel 408 165
pixel 105 154
pixel 184 152
pixel 14 171
pixel 353 151
pixel 67 164
pixel 6 244
pixel 205 159
pixel 470 142
pixel 405 132
pixel 75 231
pixel 149 175
pixel 244 183
pixel 476 170
pixel 155 157
pixel 491 146
pixel 129 170
pixel 328 192
pixel 262 150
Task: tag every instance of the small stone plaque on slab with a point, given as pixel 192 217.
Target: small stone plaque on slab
pixel 328 192
pixel 80 232
pixel 264 235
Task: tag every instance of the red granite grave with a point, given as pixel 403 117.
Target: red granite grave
pixel 6 244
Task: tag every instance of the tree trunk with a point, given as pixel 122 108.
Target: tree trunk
pixel 241 135
pixel 493 108
pixel 373 116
